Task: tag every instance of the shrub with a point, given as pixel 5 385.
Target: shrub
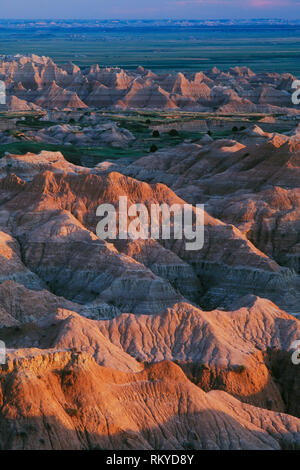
pixel 97 447
pixel 155 134
pixel 153 148
pixel 189 445
pixel 72 412
pixel 173 133
pixel 234 129
pixel 239 369
pixel 269 404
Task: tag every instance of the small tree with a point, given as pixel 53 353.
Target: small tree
pixel 155 134
pixel 153 148
pixel 72 412
pixel 173 132
pixel 234 129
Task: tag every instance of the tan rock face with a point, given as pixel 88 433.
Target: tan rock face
pixel 253 185
pixel 57 97
pixel 12 266
pixel 67 395
pixel 234 351
pixel 53 218
pixel 230 356
pixel 16 104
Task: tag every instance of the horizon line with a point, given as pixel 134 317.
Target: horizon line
pixel 150 19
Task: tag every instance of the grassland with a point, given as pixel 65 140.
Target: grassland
pixel 260 48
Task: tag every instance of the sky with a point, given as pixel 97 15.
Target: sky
pixel 149 9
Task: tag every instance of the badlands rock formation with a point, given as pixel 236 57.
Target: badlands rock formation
pixel 102 134
pixel 38 80
pixel 253 185
pixel 143 344
pixel 77 359
pixel 64 400
pixel 53 215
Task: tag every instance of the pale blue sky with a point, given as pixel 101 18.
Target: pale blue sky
pixel 151 9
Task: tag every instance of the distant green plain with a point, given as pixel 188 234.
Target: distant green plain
pixel 275 49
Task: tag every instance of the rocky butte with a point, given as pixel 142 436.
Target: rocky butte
pixel 35 83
